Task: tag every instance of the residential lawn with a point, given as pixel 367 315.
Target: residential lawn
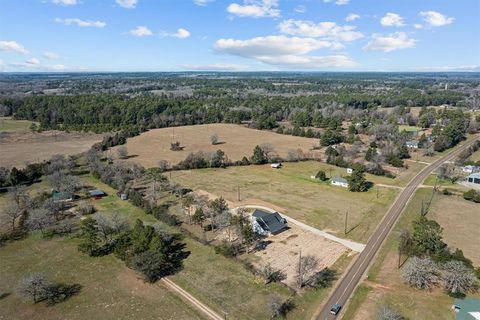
pixel 222 283
pixel 384 284
pixel 109 289
pixel 475 156
pixel 292 191
pixel 7 124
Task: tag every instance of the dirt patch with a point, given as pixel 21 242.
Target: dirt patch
pixel 19 149
pixel 235 140
pixel 283 251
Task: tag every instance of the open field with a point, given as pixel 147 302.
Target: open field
pixel 384 285
pixel 236 141
pixel 109 289
pixel 460 220
pixel 7 124
pixel 291 191
pixel 408 128
pixel 18 149
pixel 475 156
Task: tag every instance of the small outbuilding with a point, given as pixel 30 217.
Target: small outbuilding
pixel 412 144
pixel 349 170
pixel 266 223
pixel 339 181
pixel 97 193
pixel 276 165
pixel 470 169
pixel 474 178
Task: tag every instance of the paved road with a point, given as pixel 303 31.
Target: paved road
pixel 348 283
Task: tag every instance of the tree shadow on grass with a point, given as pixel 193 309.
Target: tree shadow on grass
pixel 61 292
pixel 4 295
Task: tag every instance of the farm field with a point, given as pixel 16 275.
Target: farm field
pixel 236 141
pixel 291 191
pixel 384 284
pixel 18 149
pixel 7 124
pixel 109 289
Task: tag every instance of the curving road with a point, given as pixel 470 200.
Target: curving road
pixel 352 277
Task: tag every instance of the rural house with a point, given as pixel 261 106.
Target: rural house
pixel 470 169
pixel 474 178
pixel 97 194
pixel 58 196
pixel 266 223
pixel 339 181
pixel 412 144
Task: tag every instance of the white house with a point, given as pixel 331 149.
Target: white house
pixel 412 144
pixel 470 169
pixel 339 181
pixel 276 165
pixel 474 178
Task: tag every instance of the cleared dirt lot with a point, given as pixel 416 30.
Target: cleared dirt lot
pixel 18 149
pixel 235 140
pixel 283 251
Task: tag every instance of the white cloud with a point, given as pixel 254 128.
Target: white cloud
pixel 181 34
pixel 51 55
pixel 390 42
pixel 283 51
pixel 326 30
pixel 65 2
pixel 128 4
pixel 352 17
pixel 418 26
pixel 33 61
pixel 301 9
pixel 436 19
pixel 141 31
pixel 463 68
pixel 255 8
pixel 216 67
pixel 338 2
pixel 12 46
pixel 202 3
pixel 392 20
pixel 81 23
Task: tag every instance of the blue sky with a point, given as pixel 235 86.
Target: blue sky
pixel 239 35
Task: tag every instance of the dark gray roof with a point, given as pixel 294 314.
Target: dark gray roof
pixel 96 192
pixel 272 222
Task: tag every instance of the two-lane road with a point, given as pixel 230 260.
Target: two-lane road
pixel 348 283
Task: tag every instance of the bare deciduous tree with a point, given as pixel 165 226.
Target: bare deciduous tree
pixel 306 269
pixel 214 139
pixel 34 287
pixel 420 273
pixel 387 313
pixel 457 278
pixel 40 219
pixel 13 212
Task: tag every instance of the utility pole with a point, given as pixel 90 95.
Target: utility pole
pixel 346 221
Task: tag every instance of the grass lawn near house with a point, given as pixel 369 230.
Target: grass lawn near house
pixel 384 284
pixel 221 283
pixel 291 191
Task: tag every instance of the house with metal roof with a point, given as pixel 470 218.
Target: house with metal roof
pixel 473 178
pixel 58 196
pixel 470 169
pixel 467 309
pixel 339 181
pixel 266 223
pixel 97 193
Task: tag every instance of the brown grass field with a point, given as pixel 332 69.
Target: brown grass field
pixel 236 141
pixel 459 219
pixel 18 149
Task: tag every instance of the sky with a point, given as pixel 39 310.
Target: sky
pixel 239 35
